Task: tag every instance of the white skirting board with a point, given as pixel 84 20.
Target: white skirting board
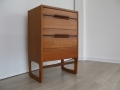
pixel 81 58
pixel 110 60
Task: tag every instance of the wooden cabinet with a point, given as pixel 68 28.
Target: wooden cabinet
pixel 52 35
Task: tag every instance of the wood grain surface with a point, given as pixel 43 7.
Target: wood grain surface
pixel 52 35
pixel 59 53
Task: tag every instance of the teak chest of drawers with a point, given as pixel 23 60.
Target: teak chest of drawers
pixel 52 35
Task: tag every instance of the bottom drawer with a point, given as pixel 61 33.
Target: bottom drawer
pixel 59 53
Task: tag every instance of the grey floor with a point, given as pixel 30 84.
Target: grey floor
pixel 91 76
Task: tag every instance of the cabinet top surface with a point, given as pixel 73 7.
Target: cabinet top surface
pixel 57 8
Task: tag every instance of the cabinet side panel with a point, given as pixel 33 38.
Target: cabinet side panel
pixel 77 33
pixel 34 33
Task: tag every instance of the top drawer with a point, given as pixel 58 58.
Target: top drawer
pixel 59 19
pixel 49 11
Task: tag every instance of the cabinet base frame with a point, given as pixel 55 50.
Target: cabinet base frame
pixel 41 67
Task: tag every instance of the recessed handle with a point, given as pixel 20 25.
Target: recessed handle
pixel 61 35
pixel 61 17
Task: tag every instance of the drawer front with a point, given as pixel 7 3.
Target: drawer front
pixel 51 22
pixel 59 31
pixel 49 11
pixel 52 42
pixel 59 53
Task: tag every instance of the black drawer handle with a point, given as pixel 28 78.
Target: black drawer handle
pixel 61 17
pixel 61 35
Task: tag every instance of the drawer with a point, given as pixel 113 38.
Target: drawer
pixel 50 11
pixel 59 53
pixel 59 31
pixel 52 42
pixel 51 22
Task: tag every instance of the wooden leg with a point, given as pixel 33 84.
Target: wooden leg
pixel 30 71
pixel 69 70
pixel 41 72
pixel 76 66
pixel 62 66
pixel 40 78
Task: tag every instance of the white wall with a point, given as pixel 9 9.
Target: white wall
pixel 13 33
pixel 103 30
pixel 79 6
